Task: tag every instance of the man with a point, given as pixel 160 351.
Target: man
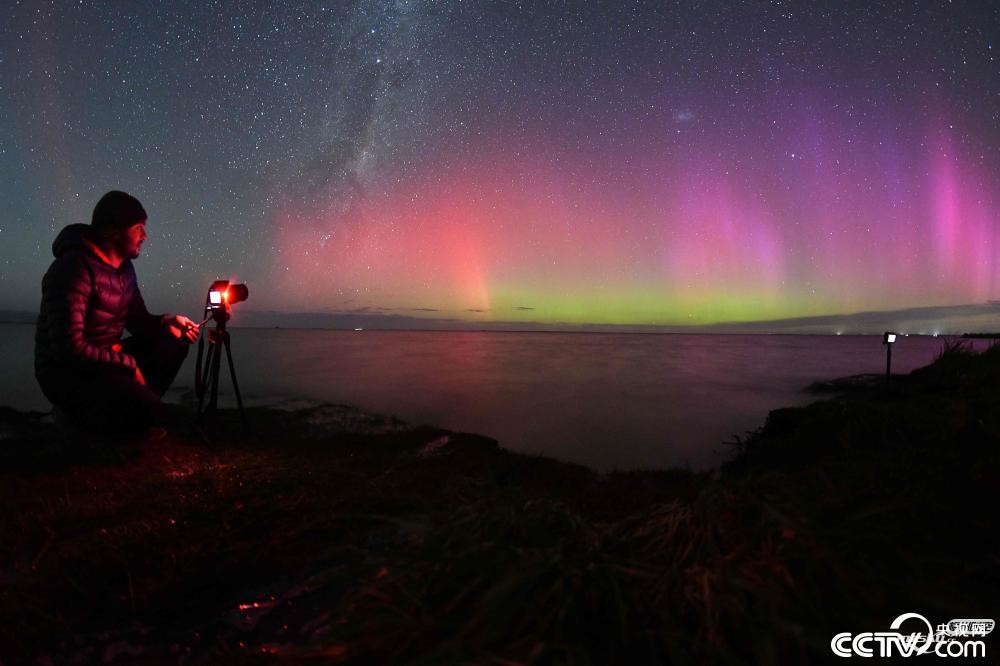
pixel 96 380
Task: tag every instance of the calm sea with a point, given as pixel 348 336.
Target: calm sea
pixel 605 400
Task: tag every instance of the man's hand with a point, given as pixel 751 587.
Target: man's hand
pixel 138 376
pixel 179 326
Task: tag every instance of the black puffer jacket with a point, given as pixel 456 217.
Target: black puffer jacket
pixel 86 304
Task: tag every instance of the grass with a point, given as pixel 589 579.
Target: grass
pixel 335 536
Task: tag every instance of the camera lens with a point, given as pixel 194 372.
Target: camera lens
pixel 238 293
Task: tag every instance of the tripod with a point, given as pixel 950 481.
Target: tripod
pixel 207 379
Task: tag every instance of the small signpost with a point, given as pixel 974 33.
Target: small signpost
pixel 887 339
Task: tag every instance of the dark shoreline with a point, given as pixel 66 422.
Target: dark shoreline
pixel 342 536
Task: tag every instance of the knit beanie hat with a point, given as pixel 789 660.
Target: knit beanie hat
pixel 117 210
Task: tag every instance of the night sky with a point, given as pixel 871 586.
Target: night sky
pixel 579 162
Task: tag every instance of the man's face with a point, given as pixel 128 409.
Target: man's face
pixel 130 240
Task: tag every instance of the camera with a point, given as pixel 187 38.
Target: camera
pixel 218 305
pixel 222 294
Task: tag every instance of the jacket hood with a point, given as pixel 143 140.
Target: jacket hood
pixel 72 238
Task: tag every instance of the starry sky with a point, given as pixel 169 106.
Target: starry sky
pixel 561 162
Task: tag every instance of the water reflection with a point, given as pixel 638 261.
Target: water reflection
pixel 603 400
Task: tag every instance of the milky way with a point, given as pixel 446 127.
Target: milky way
pixel 537 162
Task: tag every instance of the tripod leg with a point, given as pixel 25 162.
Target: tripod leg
pixel 232 375
pixel 213 403
pixel 198 389
pixel 203 386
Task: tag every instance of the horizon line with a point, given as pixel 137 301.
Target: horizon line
pixel 927 320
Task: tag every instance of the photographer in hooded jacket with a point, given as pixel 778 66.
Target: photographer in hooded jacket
pixel 96 380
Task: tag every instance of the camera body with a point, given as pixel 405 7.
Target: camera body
pixel 222 295
pixel 220 299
